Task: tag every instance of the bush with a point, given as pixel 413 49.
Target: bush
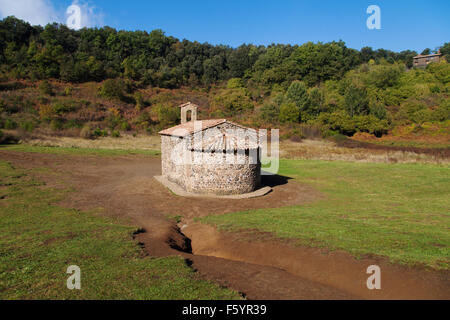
pixel 10 124
pixel 289 112
pixel 114 118
pixel 168 115
pixel 235 83
pixel 56 124
pixel 64 107
pixel 113 89
pixel 372 125
pixel 442 113
pixel 411 111
pixel 87 132
pixel 139 99
pixel 27 126
pixel 231 102
pixel 115 134
pixel 384 76
pixel 100 133
pixel 346 125
pixel 68 91
pixel 338 121
pixel 73 123
pixel 46 112
pixel 125 126
pixel 269 112
pixel 46 88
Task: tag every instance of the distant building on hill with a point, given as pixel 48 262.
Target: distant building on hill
pixel 422 61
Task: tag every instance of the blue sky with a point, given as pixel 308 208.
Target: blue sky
pixel 406 24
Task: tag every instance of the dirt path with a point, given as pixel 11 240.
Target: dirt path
pixel 125 189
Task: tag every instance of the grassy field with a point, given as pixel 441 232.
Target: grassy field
pixel 398 211
pixel 40 240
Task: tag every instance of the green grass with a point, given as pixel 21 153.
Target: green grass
pixel 396 211
pixel 77 151
pixel 39 240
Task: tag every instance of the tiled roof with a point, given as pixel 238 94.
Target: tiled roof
pixel 191 127
pixel 428 55
pixel 220 141
pixel 187 104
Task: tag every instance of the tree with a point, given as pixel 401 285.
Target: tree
pixel 289 112
pixel 298 94
pixel 269 112
pixel 235 83
pixel 113 89
pixel 168 115
pixel 316 102
pixel 445 50
pixel 355 100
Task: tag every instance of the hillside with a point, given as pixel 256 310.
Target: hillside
pixel 101 82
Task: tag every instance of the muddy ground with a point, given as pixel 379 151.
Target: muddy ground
pixel 124 189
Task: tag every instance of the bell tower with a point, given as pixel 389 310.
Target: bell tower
pixel 186 109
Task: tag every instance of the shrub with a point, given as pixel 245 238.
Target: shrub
pixel 46 88
pixel 371 124
pixel 231 102
pixel 68 91
pixel 56 125
pixel 87 132
pixel 296 135
pixel 384 76
pixel 10 125
pixel 289 112
pixel 64 107
pixel 125 126
pixel 113 89
pixel 115 134
pixel 441 71
pixel 114 118
pixel 269 112
pixel 100 133
pixel 338 121
pixel 442 113
pixel 46 113
pixel 73 123
pixel 27 126
pixel 140 103
pixel 235 83
pixel 168 115
pixel 411 111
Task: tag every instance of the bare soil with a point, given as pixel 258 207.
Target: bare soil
pixel 124 189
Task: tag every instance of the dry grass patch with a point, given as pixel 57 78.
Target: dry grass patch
pixel 327 150
pixel 125 142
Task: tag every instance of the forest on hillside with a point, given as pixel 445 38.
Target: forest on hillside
pixel 328 85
